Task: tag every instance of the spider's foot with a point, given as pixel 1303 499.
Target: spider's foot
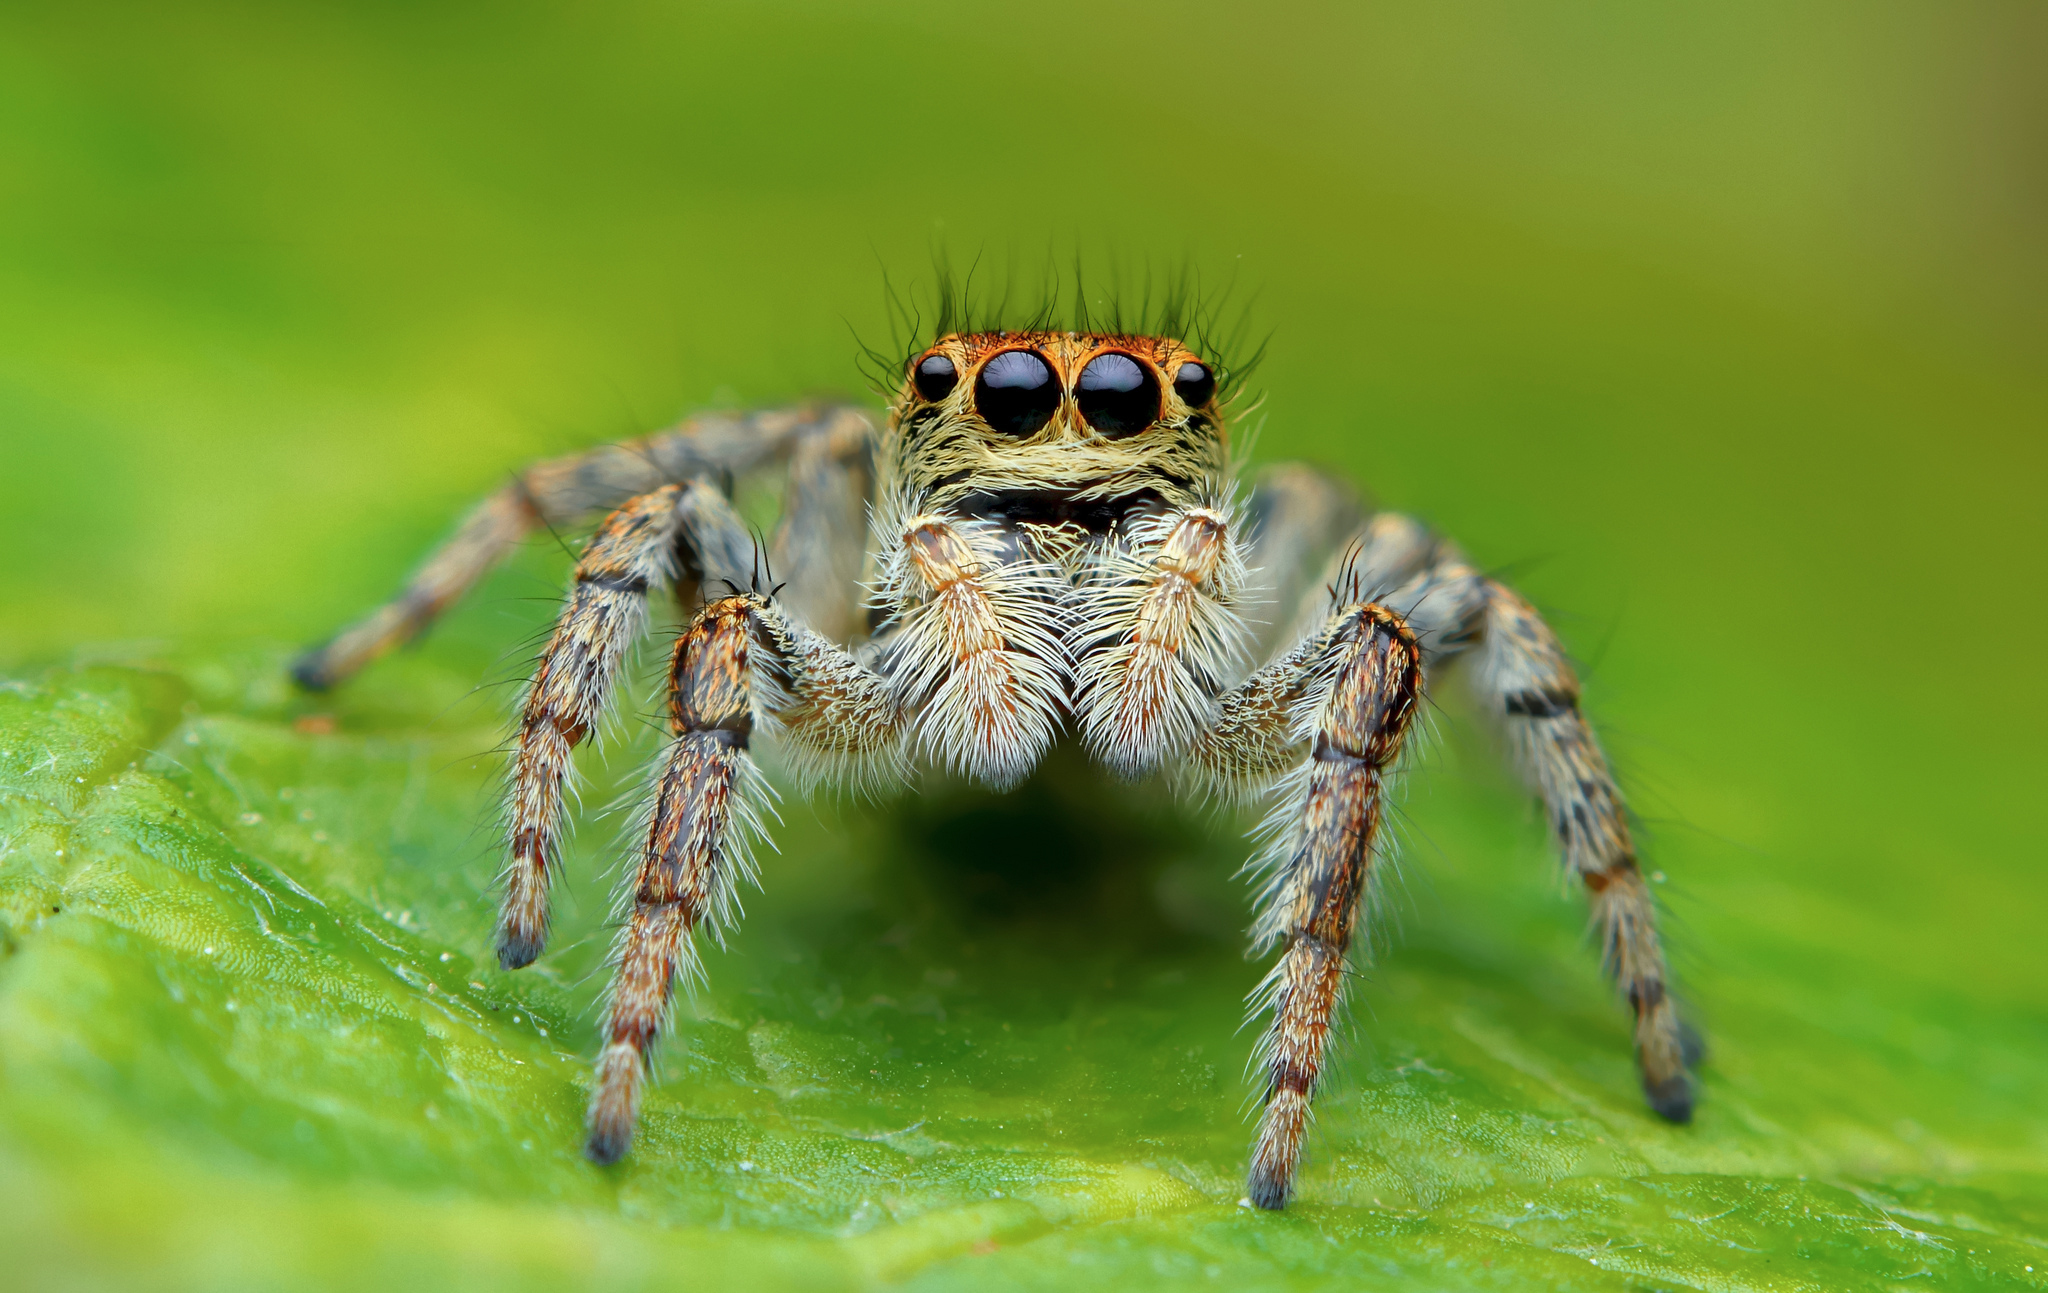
pixel 1671 1098
pixel 517 951
pixel 607 1145
pixel 614 1104
pixel 311 670
pixel 1268 1191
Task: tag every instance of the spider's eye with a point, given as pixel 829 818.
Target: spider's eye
pixel 1118 395
pixel 1015 393
pixel 1194 383
pixel 935 378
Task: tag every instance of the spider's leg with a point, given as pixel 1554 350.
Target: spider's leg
pixel 1392 561
pixel 633 551
pixel 564 493
pixel 1522 677
pixel 740 660
pixel 1357 688
pixel 1525 683
pixel 1296 520
pixel 816 553
pixel 1160 635
pixel 697 847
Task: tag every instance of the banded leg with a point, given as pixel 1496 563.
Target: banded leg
pixel 641 547
pixel 563 493
pixel 1392 561
pixel 633 551
pixel 1164 634
pixel 1319 869
pixel 697 846
pixel 1522 677
pixel 740 656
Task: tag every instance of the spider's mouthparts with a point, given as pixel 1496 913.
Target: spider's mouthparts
pixel 1097 515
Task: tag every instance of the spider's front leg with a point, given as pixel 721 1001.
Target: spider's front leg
pixel 1351 691
pixel 741 659
pixel 640 548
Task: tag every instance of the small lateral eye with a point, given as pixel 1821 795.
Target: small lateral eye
pixel 935 378
pixel 1194 383
pixel 1118 395
pixel 1015 393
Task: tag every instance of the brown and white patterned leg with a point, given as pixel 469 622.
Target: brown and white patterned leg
pixel 697 846
pixel 677 531
pixel 1521 675
pixel 741 656
pixel 1319 870
pixel 564 493
pixel 634 551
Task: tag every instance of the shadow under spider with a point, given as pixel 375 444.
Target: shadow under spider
pixel 1072 849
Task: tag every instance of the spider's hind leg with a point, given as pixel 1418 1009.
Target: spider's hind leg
pixel 565 492
pixel 1522 677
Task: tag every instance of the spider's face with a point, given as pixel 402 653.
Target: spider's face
pixel 1057 427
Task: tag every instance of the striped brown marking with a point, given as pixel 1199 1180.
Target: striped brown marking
pixel 633 550
pixel 1626 916
pixel 1376 682
pixel 685 860
pixel 1524 667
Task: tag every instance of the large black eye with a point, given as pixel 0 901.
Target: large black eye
pixel 1194 383
pixel 1118 395
pixel 935 378
pixel 1015 393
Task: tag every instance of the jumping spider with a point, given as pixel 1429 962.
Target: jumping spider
pixel 1056 536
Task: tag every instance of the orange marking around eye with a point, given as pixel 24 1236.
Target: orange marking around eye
pixel 1068 352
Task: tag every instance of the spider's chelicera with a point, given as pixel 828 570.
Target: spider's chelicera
pixel 1046 534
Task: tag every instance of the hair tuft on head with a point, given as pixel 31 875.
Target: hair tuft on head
pixel 1149 301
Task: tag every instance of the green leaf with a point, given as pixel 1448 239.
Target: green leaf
pixel 252 1036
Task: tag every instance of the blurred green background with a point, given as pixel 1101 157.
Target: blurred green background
pixel 1719 327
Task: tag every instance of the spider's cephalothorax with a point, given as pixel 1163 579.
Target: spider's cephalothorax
pixel 1045 534
pixel 1019 479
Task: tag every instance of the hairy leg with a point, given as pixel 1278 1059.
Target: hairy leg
pixel 741 658
pixel 1522 678
pixel 1392 561
pixel 821 539
pixel 1360 695
pixel 1161 636
pixel 565 492
pixel 1524 682
pixel 633 551
pixel 639 548
pixel 698 845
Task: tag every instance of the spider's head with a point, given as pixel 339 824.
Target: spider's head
pixel 1091 420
